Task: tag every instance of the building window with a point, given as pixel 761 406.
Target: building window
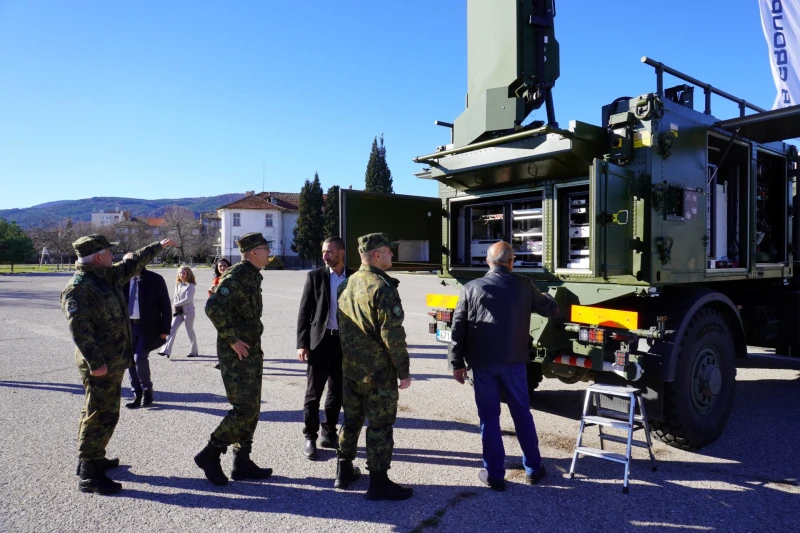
pixel 235 238
pixel 156 232
pixel 268 220
pixel 237 219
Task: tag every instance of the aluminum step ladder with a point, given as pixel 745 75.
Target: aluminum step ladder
pixel 629 422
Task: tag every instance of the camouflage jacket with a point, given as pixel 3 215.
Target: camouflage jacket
pixel 96 311
pixel 370 319
pixel 235 304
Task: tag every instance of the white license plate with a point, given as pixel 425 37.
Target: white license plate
pixel 443 335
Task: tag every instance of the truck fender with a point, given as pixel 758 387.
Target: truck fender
pixel 683 303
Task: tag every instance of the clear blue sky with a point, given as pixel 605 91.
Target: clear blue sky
pixel 155 99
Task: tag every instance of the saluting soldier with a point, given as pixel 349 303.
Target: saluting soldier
pixel 97 313
pixel 234 308
pixel 374 354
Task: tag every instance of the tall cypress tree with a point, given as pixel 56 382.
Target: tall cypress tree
pixel 331 226
pixel 378 177
pixel 308 233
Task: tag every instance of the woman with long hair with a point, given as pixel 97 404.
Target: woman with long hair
pixel 221 266
pixel 183 311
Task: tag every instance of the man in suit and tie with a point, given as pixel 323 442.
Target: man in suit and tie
pixel 150 312
pixel 318 344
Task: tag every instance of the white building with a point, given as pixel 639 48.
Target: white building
pixel 274 214
pixel 109 218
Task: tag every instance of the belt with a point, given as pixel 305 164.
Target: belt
pixel 135 320
pixel 333 332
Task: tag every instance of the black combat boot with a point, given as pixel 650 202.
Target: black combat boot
pixel 383 488
pixel 103 464
pixel 244 468
pixel 208 460
pixel 137 401
pixel 346 473
pixel 94 479
pixel 147 397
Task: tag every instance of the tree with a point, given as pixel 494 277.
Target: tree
pixel 15 246
pixel 308 232
pixel 182 227
pixel 331 224
pixel 378 177
pixel 58 235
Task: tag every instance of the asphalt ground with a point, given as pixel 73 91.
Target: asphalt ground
pixel 745 481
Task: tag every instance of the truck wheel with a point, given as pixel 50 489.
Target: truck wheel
pixel 697 404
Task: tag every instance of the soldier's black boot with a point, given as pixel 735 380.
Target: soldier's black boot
pixel 103 464
pixel 346 473
pixel 137 401
pixel 383 488
pixel 208 461
pixel 147 397
pixel 245 468
pixel 94 479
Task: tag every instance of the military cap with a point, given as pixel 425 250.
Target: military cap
pixel 251 240
pixel 91 244
pixel 373 241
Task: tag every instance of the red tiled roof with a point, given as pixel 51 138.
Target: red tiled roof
pixel 155 222
pixel 284 201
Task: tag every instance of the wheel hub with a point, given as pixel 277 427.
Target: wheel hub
pixel 706 380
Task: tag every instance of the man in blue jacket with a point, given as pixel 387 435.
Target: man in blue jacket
pixel 491 334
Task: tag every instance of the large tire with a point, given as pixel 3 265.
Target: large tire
pixel 697 404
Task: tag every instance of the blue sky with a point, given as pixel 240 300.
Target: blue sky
pixel 154 99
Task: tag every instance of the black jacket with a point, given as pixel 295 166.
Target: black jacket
pixel 315 304
pixel 492 320
pixel 155 308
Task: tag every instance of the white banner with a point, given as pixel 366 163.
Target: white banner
pixel 781 22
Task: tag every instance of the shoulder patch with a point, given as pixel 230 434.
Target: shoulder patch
pixel 224 291
pixel 397 310
pixel 72 306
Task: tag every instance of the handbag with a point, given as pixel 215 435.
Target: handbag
pixel 178 311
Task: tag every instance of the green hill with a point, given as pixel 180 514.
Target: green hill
pixel 82 209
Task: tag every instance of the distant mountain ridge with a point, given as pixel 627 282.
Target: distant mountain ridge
pixel 78 210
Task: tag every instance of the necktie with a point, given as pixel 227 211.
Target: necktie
pixel 134 294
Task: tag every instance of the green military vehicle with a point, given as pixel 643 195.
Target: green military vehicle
pixel 667 235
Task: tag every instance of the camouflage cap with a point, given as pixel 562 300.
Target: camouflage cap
pixel 91 244
pixel 251 240
pixel 373 241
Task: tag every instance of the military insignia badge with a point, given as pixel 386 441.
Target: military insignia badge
pixel 224 291
pixel 397 311
pixel 72 306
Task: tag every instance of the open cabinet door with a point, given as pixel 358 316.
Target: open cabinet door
pixel 612 213
pixel 414 221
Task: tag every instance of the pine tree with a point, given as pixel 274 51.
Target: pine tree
pixel 308 232
pixel 331 226
pixel 15 246
pixel 378 177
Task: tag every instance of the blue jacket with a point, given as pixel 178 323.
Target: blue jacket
pixel 491 323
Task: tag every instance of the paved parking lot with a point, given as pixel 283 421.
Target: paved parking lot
pixel 746 481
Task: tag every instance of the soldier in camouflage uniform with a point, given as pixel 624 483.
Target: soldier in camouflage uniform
pixel 97 314
pixel 234 308
pixel 370 317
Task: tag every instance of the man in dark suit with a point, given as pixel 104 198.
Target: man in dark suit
pixel 150 312
pixel 318 344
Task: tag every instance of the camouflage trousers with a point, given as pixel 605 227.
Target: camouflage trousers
pixel 100 411
pixel 242 380
pixel 378 404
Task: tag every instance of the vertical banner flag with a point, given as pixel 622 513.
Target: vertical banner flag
pixel 781 22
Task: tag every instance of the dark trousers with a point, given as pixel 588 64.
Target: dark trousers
pixel 324 366
pixel 139 373
pixel 512 380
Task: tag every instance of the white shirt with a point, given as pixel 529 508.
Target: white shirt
pixel 134 296
pixel 336 280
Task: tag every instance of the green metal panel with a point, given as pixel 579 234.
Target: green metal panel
pixel 611 191
pixel 415 221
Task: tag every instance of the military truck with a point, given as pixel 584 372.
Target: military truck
pixel 667 235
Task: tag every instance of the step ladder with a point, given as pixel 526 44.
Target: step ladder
pixel 630 422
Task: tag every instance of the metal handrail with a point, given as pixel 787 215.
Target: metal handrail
pixel 661 68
